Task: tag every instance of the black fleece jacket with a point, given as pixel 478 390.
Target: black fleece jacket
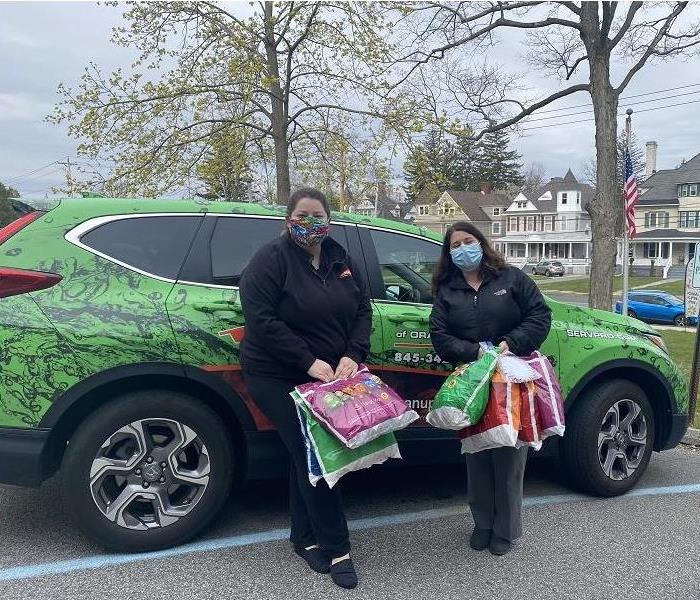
pixel 295 314
pixel 507 306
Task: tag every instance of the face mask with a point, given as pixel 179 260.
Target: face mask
pixel 308 231
pixel 467 257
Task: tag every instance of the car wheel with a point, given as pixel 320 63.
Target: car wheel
pixel 149 470
pixel 609 438
pixel 680 321
pixel 631 313
pixel 548 273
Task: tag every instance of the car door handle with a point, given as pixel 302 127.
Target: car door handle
pixel 408 318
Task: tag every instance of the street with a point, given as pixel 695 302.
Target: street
pixel 410 532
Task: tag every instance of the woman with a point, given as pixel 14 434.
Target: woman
pixel 308 316
pixel 478 298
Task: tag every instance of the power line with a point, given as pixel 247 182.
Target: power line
pixel 25 175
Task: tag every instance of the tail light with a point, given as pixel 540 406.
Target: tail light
pixel 20 281
pixel 9 230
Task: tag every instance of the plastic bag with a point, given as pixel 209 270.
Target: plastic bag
pixel 548 398
pixel 516 370
pixel 501 421
pixel 530 426
pixel 462 399
pixel 329 459
pixel 358 409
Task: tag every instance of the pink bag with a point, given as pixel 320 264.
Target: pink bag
pixel 548 398
pixel 358 409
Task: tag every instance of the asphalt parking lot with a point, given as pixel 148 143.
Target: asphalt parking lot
pixel 410 530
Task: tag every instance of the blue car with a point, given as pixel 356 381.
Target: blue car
pixel 656 307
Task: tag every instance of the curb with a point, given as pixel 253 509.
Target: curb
pixel 691 437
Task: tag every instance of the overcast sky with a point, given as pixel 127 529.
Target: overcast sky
pixel 42 44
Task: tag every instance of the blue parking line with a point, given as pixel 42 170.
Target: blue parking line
pixel 272 535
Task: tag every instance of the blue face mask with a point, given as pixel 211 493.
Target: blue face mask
pixel 467 257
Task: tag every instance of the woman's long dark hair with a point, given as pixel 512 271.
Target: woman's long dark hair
pixel 491 263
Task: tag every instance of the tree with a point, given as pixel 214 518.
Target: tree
pixel 225 168
pixel 533 180
pixel 465 171
pixel 565 39
pixel 7 213
pixel 429 163
pixel 204 70
pixel 498 165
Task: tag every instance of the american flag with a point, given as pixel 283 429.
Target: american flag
pixel 631 195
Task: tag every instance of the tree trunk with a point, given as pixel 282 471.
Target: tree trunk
pixel 606 205
pixel 279 106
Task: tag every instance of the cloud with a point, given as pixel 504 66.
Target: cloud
pixel 20 39
pixel 22 107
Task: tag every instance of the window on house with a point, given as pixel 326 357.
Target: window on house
pixel 522 204
pixel 423 210
pixel 650 250
pixel 549 223
pixel 496 211
pixel 693 190
pixel 513 224
pixel 683 190
pixel 529 223
pixel 689 219
pixel 496 228
pixel 563 198
pixel 578 198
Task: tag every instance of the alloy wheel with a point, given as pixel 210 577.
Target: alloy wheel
pixel 622 439
pixel 149 474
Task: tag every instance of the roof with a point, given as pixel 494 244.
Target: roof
pixel 472 203
pixel 92 207
pixel 562 184
pixel 662 184
pixel 654 234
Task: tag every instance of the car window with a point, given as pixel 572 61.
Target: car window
pixel 407 265
pixel 654 300
pixel 236 239
pixel 154 244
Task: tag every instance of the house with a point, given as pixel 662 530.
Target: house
pixel 387 202
pixel 553 223
pixel 667 217
pixel 484 209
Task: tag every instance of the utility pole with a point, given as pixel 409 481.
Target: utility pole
pixel 69 175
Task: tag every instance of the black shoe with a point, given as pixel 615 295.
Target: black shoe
pixel 499 546
pixel 343 574
pixel 480 539
pixel 315 558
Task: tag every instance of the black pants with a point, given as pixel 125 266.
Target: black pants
pixel 316 512
pixel 495 486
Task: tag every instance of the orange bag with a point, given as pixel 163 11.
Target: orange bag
pixel 501 422
pixel 530 433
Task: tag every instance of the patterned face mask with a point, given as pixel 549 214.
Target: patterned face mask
pixel 308 231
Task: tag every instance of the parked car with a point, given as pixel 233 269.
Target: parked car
pixel 121 322
pixel 656 307
pixel 549 268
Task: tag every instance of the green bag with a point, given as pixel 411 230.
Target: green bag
pixel 462 399
pixel 330 459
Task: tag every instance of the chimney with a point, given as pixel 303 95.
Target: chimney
pixel 650 167
pixel 486 187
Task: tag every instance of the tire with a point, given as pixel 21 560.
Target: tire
pixel 111 433
pixel 548 273
pixel 680 321
pixel 583 454
pixel 631 313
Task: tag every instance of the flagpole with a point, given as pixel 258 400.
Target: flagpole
pixel 625 239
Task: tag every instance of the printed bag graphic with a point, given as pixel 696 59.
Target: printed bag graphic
pixel 548 398
pixel 358 409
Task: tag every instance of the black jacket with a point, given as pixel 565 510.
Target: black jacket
pixel 295 314
pixel 507 306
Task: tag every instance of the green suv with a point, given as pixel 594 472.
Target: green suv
pixel 120 324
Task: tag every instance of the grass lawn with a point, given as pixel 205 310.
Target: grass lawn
pixel 677 288
pixel 583 284
pixel 681 346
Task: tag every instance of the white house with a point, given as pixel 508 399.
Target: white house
pixel 553 223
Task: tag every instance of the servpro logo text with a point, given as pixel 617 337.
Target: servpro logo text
pixel 608 335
